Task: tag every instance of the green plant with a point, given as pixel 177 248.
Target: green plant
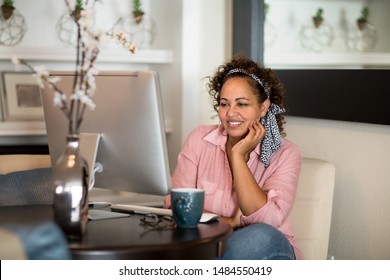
pixel 364 14
pixel 79 5
pixel 137 7
pixel 137 11
pixel 362 21
pixel 8 4
pixel 318 15
pixel 318 18
pixel 266 9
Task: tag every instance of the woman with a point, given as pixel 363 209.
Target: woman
pixel 248 170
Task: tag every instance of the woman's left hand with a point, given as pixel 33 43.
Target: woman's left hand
pixel 235 221
pixel 245 146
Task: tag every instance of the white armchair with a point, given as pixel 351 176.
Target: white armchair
pixel 312 212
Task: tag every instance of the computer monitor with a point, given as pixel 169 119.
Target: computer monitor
pixel 129 118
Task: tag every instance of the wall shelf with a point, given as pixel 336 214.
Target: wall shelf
pixel 327 60
pixel 108 55
pixel 23 128
pixel 38 128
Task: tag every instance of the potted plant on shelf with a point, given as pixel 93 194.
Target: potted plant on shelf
pixel 266 10
pixel 318 18
pixel 137 11
pixel 362 21
pixel 76 13
pixel 7 8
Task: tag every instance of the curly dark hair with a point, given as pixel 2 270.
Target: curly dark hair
pixel 266 75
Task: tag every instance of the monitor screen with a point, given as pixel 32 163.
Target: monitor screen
pixel 129 118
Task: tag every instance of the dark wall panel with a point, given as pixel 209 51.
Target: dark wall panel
pixel 348 95
pixel 248 30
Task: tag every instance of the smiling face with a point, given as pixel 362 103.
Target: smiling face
pixel 239 108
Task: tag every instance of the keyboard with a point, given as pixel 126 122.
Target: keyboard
pixel 139 209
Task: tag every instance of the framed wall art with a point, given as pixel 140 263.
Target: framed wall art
pixel 21 97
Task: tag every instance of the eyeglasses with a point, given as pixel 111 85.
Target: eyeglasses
pixel 157 222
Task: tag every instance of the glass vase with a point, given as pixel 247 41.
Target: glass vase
pixel 70 183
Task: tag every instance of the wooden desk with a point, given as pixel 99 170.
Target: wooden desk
pixel 125 238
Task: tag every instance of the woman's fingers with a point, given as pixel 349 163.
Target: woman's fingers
pixel 259 130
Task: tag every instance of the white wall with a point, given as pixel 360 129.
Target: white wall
pixel 169 18
pixel 206 44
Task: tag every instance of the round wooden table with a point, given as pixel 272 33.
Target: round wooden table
pixel 127 238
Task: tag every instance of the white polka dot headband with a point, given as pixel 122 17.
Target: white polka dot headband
pixel 253 76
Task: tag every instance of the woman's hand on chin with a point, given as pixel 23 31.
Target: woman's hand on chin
pixel 245 146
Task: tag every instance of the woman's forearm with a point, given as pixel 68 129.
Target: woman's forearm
pixel 250 196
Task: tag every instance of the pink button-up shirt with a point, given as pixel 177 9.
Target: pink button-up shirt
pixel 203 164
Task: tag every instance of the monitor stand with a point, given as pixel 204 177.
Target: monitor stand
pixel 89 143
pixel 120 197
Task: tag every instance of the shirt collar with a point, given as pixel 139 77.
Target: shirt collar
pixel 217 137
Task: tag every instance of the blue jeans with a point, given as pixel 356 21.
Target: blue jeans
pixel 44 241
pixel 258 242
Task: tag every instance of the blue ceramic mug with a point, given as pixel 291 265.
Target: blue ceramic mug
pixel 187 206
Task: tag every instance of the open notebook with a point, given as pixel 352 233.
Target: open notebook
pixel 138 209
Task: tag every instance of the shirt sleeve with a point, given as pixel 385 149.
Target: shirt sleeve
pixel 280 187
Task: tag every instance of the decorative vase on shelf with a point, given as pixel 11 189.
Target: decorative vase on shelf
pixel 66 29
pixel 317 34
pixel 361 36
pixel 361 39
pixel 12 26
pixel 70 184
